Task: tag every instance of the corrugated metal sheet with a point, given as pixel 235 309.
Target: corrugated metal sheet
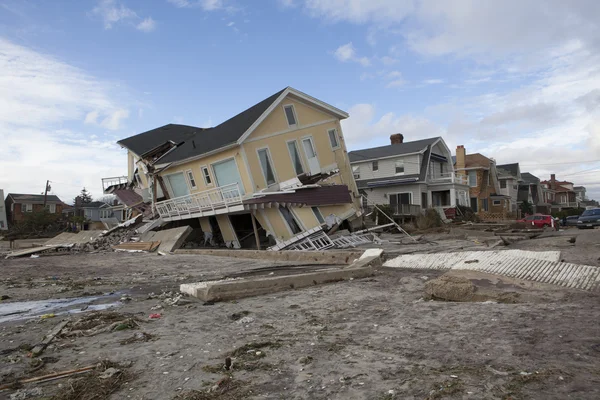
pixel 543 266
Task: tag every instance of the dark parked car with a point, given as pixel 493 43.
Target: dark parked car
pixel 589 219
pixel 572 220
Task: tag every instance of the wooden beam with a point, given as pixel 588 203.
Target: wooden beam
pixel 255 230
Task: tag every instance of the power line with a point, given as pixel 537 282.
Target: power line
pixel 588 171
pixel 564 163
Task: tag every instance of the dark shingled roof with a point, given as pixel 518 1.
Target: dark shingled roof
pixel 34 198
pixel 93 204
pixel 390 150
pixel 512 169
pixel 530 178
pixel 196 141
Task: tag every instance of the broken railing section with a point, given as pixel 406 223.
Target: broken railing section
pixel 316 240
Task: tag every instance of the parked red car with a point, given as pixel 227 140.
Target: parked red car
pixel 538 221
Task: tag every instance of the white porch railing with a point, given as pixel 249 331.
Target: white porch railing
pixel 197 204
pixel 116 180
pixel 449 177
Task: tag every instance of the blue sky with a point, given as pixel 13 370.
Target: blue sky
pixel 517 82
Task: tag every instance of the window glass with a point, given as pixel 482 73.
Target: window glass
pixel 290 115
pixel 399 166
pixel 333 138
pixel 318 215
pixel 356 171
pixel 472 178
pixel 290 220
pixel 375 165
pixel 503 184
pixel 293 148
pixel 265 162
pixel 191 178
pixel 206 175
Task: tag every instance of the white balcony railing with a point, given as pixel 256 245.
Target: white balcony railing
pixel 449 177
pixel 117 180
pixel 199 204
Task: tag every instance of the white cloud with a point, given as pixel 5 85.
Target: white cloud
pixel 113 12
pixel 347 52
pixel 231 24
pixel 92 117
pixel 147 25
pixel 114 120
pixel 39 97
pixel 433 81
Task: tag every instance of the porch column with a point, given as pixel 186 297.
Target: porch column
pixel 453 197
pixel 430 199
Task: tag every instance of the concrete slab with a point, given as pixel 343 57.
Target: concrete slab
pixel 170 239
pixel 305 257
pixel 239 288
pixel 68 238
pixel 229 289
pixel 39 250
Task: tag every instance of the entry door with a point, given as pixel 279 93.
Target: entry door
pixel 178 185
pixel 474 204
pixel 226 173
pixel 311 156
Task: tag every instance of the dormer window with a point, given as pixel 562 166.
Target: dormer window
pixel 290 114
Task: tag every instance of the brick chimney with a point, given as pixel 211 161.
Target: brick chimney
pixel 461 157
pixel 553 182
pixel 397 138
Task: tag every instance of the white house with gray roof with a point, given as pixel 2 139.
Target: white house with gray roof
pixel 409 176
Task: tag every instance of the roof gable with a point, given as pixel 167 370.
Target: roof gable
pixel 477 160
pixel 194 142
pixel 512 169
pixel 391 150
pixel 34 198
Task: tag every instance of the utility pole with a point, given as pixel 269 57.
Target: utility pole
pixel 46 193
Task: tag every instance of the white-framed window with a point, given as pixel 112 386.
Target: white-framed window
pixel 399 167
pixel 318 215
pixel 88 213
pixel 206 175
pixel 191 179
pixel 472 178
pixel 290 220
pixel 295 156
pixel 356 171
pixel 503 184
pixel 105 213
pixel 333 139
pixel 267 166
pixel 290 115
pixel 51 208
pixel 27 207
pixel 496 202
pixel 375 165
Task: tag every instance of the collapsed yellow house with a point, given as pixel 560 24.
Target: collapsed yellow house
pixel 280 166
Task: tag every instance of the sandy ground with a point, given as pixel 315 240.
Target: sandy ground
pixel 373 338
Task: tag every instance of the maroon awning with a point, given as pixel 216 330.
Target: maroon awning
pixel 128 197
pixel 319 196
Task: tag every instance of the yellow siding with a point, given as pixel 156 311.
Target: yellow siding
pixel 278 149
pixel 226 228
pixel 307 217
pixel 280 229
pixel 205 225
pixel 195 167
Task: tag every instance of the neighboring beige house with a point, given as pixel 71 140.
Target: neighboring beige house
pixel 282 160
